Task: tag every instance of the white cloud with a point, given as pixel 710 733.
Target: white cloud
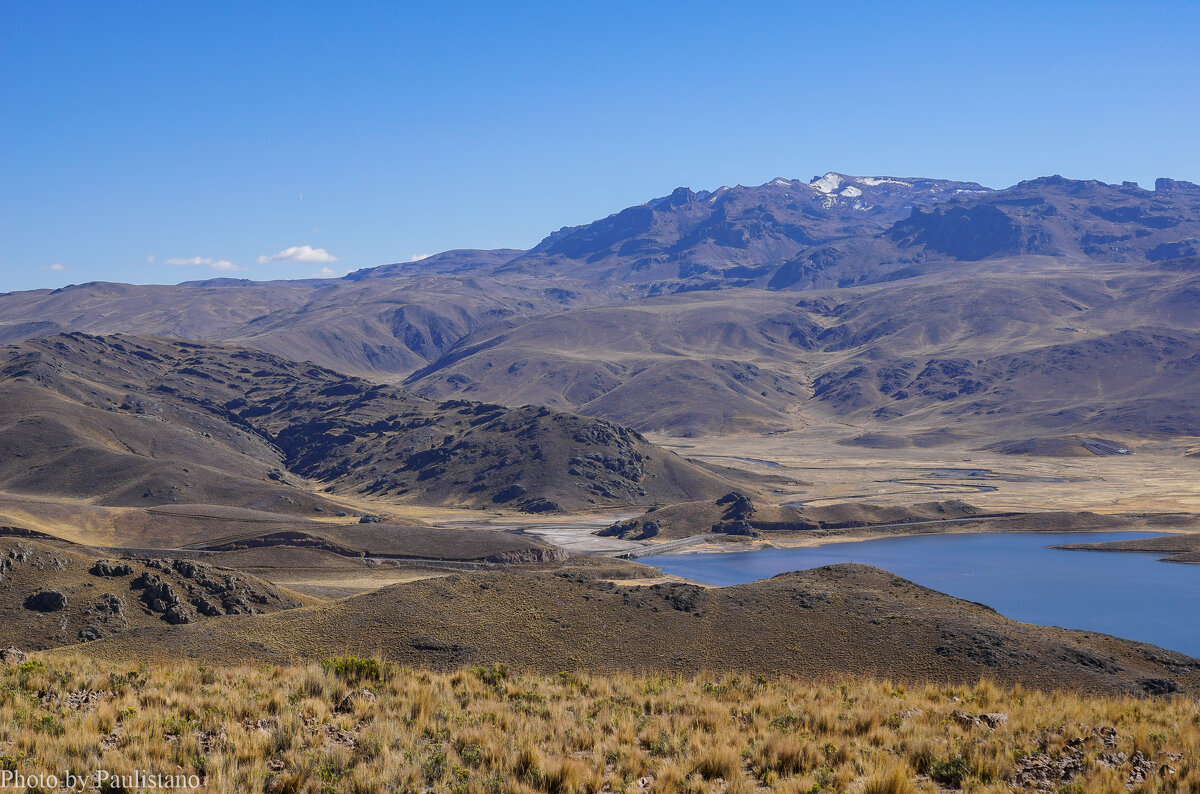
pixel 223 265
pixel 327 272
pixel 56 267
pixel 298 253
pixel 150 259
pixel 419 257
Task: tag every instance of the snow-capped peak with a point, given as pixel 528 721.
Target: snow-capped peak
pixel 827 184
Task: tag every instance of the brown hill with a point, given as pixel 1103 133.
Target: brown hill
pixel 1181 547
pixel 842 619
pixel 141 422
pixel 709 362
pixel 1061 447
pixel 1034 345
pixel 736 513
pixel 359 324
pixel 390 541
pixel 51 595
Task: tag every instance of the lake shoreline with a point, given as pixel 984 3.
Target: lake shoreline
pixel 805 540
pixel 1022 575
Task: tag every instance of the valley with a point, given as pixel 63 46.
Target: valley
pixel 666 441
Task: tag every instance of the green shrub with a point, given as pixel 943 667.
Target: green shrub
pixel 951 772
pixel 354 669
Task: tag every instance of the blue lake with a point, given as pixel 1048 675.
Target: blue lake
pixel 1126 594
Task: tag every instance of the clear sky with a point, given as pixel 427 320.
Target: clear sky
pixel 268 139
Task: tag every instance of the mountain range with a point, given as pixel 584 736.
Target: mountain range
pixel 909 301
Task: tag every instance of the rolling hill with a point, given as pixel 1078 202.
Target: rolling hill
pixel 844 619
pixel 382 322
pixel 1014 346
pixel 127 421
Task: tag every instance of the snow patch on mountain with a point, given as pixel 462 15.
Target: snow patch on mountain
pixel 827 184
pixel 874 181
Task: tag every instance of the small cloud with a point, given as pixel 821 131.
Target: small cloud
pixel 327 272
pixel 223 265
pixel 150 259
pixel 298 253
pixel 56 267
pixel 419 257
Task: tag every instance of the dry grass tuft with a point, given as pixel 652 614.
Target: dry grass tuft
pixel 895 780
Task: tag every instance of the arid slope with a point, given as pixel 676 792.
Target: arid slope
pixel 840 619
pixel 140 422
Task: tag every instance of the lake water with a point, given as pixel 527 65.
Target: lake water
pixel 1126 594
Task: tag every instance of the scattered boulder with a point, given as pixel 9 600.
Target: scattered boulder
pixel 740 507
pixel 356 696
pixel 994 719
pixel 46 601
pixel 186 568
pixel 682 597
pixel 964 719
pixel 1159 686
pixel 179 614
pixel 13 656
pixel 145 581
pixel 108 568
pixel 1041 772
pixel 109 604
pixel 510 493
pixel 1141 768
pixel 84 699
pixel 373 518
pixel 160 597
pixel 105 616
pixel 540 505
pixel 90 633
pixel 736 528
pixel 206 607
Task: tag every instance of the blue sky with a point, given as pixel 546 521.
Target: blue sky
pixel 266 140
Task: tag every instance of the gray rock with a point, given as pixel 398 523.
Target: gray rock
pixel 964 719
pixel 107 568
pixel 145 581
pixel 46 601
pixel 358 695
pixel 178 614
pixel 160 597
pixel 1040 771
pixel 13 656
